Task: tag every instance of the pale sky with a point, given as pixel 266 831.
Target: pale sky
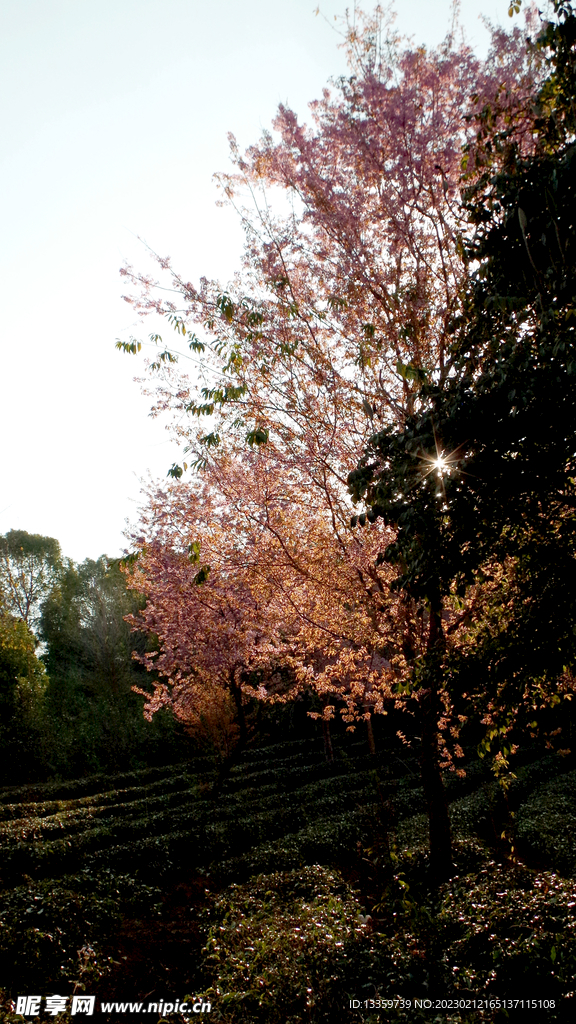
pixel 115 117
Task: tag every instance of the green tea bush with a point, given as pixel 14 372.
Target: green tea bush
pixel 493 932
pixel 546 825
pixel 509 931
pixel 42 857
pixel 286 927
pixel 287 947
pixel 412 833
pixel 73 819
pixel 51 931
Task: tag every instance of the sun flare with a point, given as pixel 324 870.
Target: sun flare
pixel 440 463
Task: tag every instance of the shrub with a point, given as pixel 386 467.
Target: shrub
pixel 51 931
pixel 287 947
pixel 511 930
pixel 546 823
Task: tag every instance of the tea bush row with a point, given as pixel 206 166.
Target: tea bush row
pixel 36 842
pixel 326 841
pixel 174 782
pixel 215 836
pixel 78 818
pixel 102 782
pixel 52 931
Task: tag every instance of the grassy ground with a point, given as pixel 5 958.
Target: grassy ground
pixel 301 887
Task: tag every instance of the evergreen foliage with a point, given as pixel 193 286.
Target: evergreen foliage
pixel 479 482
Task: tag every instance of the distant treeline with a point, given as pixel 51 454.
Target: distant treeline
pixel 67 669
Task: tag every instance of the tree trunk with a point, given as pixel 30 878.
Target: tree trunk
pixel 236 691
pixel 327 740
pixel 441 864
pixel 370 735
pixel 386 806
pixel 234 755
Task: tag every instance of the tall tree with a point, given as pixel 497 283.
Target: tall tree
pixel 82 624
pixel 29 567
pixel 479 482
pixel 92 717
pixel 345 303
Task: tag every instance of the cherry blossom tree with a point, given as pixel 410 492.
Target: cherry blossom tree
pixel 245 586
pixel 352 280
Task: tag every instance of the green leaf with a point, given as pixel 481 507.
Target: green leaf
pixel 410 372
pixel 164 357
pixel 211 440
pixel 195 345
pixel 226 307
pixel 131 347
pixel 202 575
pixel 258 436
pixel 194 551
pixel 177 323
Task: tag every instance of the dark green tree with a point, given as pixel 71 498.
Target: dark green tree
pixel 485 472
pixel 23 683
pixel 93 718
pixel 83 624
